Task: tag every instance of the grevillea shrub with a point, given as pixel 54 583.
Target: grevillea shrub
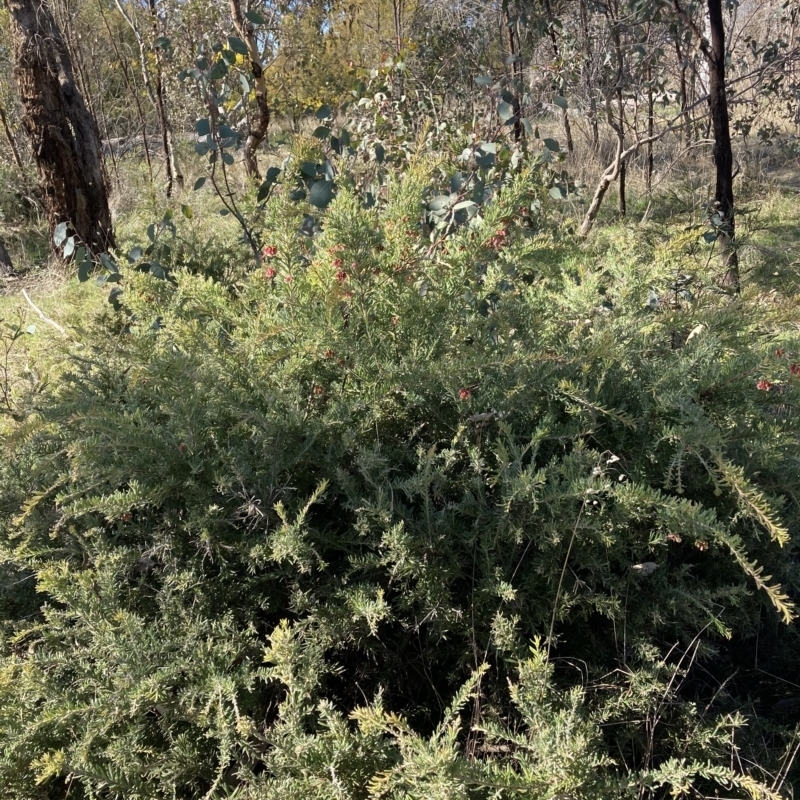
pixel 404 516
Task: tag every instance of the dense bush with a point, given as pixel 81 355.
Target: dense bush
pixel 405 516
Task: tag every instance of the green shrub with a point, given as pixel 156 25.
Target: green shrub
pixel 404 516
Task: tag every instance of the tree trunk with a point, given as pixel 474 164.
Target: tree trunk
pixel 619 127
pixel 723 153
pixel 650 120
pixel 131 89
pixel 6 267
pixel 64 135
pixel 557 57
pixel 516 70
pixel 168 138
pixel 685 135
pixel 156 96
pixel 10 137
pixel 587 74
pixel 260 125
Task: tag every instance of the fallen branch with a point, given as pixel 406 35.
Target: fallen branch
pixel 46 319
pixel 609 176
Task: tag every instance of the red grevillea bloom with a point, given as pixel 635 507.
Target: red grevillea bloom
pixel 779 352
pixel 765 386
pixel 795 370
pixel 289 278
pixel 269 250
pixel 270 273
pixel 341 276
pixel 464 394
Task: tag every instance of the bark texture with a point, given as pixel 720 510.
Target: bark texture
pixel 723 153
pixel 6 267
pixel 64 137
pixel 714 54
pixel 10 139
pixel 259 126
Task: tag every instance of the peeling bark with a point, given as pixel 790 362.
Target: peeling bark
pixel 64 137
pixel 259 126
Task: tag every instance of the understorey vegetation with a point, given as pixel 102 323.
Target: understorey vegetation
pixel 419 506
pixel 353 446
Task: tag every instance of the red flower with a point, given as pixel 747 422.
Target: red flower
pixel 269 250
pixel 329 353
pixel 338 263
pixel 765 386
pixel 341 276
pixel 289 278
pixel 779 352
pixel 795 370
pixel 270 273
pixel 464 394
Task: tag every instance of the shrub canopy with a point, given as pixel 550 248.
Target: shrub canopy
pixel 401 515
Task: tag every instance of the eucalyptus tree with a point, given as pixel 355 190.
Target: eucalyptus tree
pixel 151 58
pixel 64 137
pixel 244 22
pixel 716 55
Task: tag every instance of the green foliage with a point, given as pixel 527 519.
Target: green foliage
pixel 412 510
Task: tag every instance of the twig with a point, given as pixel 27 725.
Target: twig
pixel 42 316
pixel 561 578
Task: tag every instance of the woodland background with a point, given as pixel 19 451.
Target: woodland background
pixel 399 399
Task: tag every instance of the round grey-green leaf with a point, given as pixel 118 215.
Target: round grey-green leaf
pixel 321 194
pixel 505 111
pixel 254 16
pixel 203 127
pixel 237 45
